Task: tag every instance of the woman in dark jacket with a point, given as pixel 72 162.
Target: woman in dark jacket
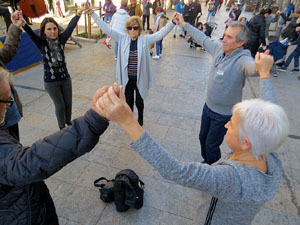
pixel 257 27
pixel 57 81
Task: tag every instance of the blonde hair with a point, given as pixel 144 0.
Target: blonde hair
pixel 124 2
pixel 135 20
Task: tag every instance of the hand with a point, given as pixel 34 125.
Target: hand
pixel 263 64
pixel 98 94
pixel 278 12
pixel 297 29
pixel 17 18
pixel 114 107
pixel 178 19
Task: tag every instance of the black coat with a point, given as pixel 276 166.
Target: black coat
pixel 257 27
pixel 290 30
pixel 24 197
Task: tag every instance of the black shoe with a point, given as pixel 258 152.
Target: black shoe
pixel 181 35
pixel 174 36
pixel 280 64
pixel 140 120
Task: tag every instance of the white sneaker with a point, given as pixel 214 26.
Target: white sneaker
pixel 160 55
pixel 155 57
pixel 116 58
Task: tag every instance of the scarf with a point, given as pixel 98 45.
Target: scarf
pixel 156 25
pixel 55 54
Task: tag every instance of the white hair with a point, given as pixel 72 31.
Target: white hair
pixel 264 123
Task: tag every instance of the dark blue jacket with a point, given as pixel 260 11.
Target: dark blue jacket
pixel 277 50
pixel 24 196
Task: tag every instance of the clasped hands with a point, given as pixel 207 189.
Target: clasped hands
pixel 110 103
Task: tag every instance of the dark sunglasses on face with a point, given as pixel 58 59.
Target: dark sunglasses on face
pixel 9 101
pixel 135 28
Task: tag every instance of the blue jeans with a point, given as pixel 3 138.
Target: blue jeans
pixel 211 134
pixel 116 49
pixel 209 15
pixel 107 18
pixel 180 30
pixel 159 47
pixel 295 54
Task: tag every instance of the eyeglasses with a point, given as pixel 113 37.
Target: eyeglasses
pixel 9 101
pixel 135 28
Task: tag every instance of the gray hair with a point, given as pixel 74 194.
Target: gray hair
pixel 264 123
pixel 244 34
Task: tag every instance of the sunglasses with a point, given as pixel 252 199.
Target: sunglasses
pixel 9 101
pixel 135 28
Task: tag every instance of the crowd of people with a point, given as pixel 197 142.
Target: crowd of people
pixel 236 186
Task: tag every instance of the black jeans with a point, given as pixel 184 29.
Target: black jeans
pixel 129 94
pixel 6 15
pixel 61 94
pixel 211 134
pixel 144 20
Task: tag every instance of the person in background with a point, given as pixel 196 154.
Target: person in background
pixel 235 188
pixel 231 64
pixel 155 4
pixel 134 8
pixel 133 69
pixel 161 21
pixel 57 80
pixel 146 13
pixel 211 9
pixel 243 20
pixel 7 52
pixel 257 27
pixel 6 15
pixel 118 22
pixel 290 9
pixel 109 8
pixel 294 55
pixel 180 9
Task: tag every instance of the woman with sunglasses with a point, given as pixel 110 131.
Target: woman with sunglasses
pixel 51 42
pixel 134 70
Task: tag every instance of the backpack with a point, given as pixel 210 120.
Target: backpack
pixel 127 191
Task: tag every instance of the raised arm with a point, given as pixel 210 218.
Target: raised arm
pixel 161 33
pixel 71 26
pixel 37 40
pixel 263 64
pixel 210 46
pixel 24 165
pixel 105 28
pixel 11 44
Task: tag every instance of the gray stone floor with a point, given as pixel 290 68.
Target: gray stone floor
pixel 172 117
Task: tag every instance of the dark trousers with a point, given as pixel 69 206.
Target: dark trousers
pixel 6 15
pixel 148 23
pixel 61 94
pixel 211 134
pixel 139 102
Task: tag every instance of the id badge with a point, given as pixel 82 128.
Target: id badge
pixel 220 73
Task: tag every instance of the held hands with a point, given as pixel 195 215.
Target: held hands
pixel 263 64
pixel 178 19
pixel 17 18
pixel 110 103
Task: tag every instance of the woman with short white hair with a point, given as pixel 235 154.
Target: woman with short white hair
pixel 236 188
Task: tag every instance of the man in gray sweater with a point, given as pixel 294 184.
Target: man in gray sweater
pixel 231 64
pixel 235 189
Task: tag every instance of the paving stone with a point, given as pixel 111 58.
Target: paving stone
pixel 72 171
pixel 78 204
pixel 129 159
pixel 181 136
pixel 177 121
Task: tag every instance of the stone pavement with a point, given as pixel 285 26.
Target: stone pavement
pixel 172 117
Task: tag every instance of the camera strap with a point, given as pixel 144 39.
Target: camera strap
pixel 97 182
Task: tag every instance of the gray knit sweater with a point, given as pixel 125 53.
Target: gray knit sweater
pixel 239 191
pixel 227 74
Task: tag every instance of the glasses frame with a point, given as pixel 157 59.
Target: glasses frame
pixel 9 102
pixel 132 27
